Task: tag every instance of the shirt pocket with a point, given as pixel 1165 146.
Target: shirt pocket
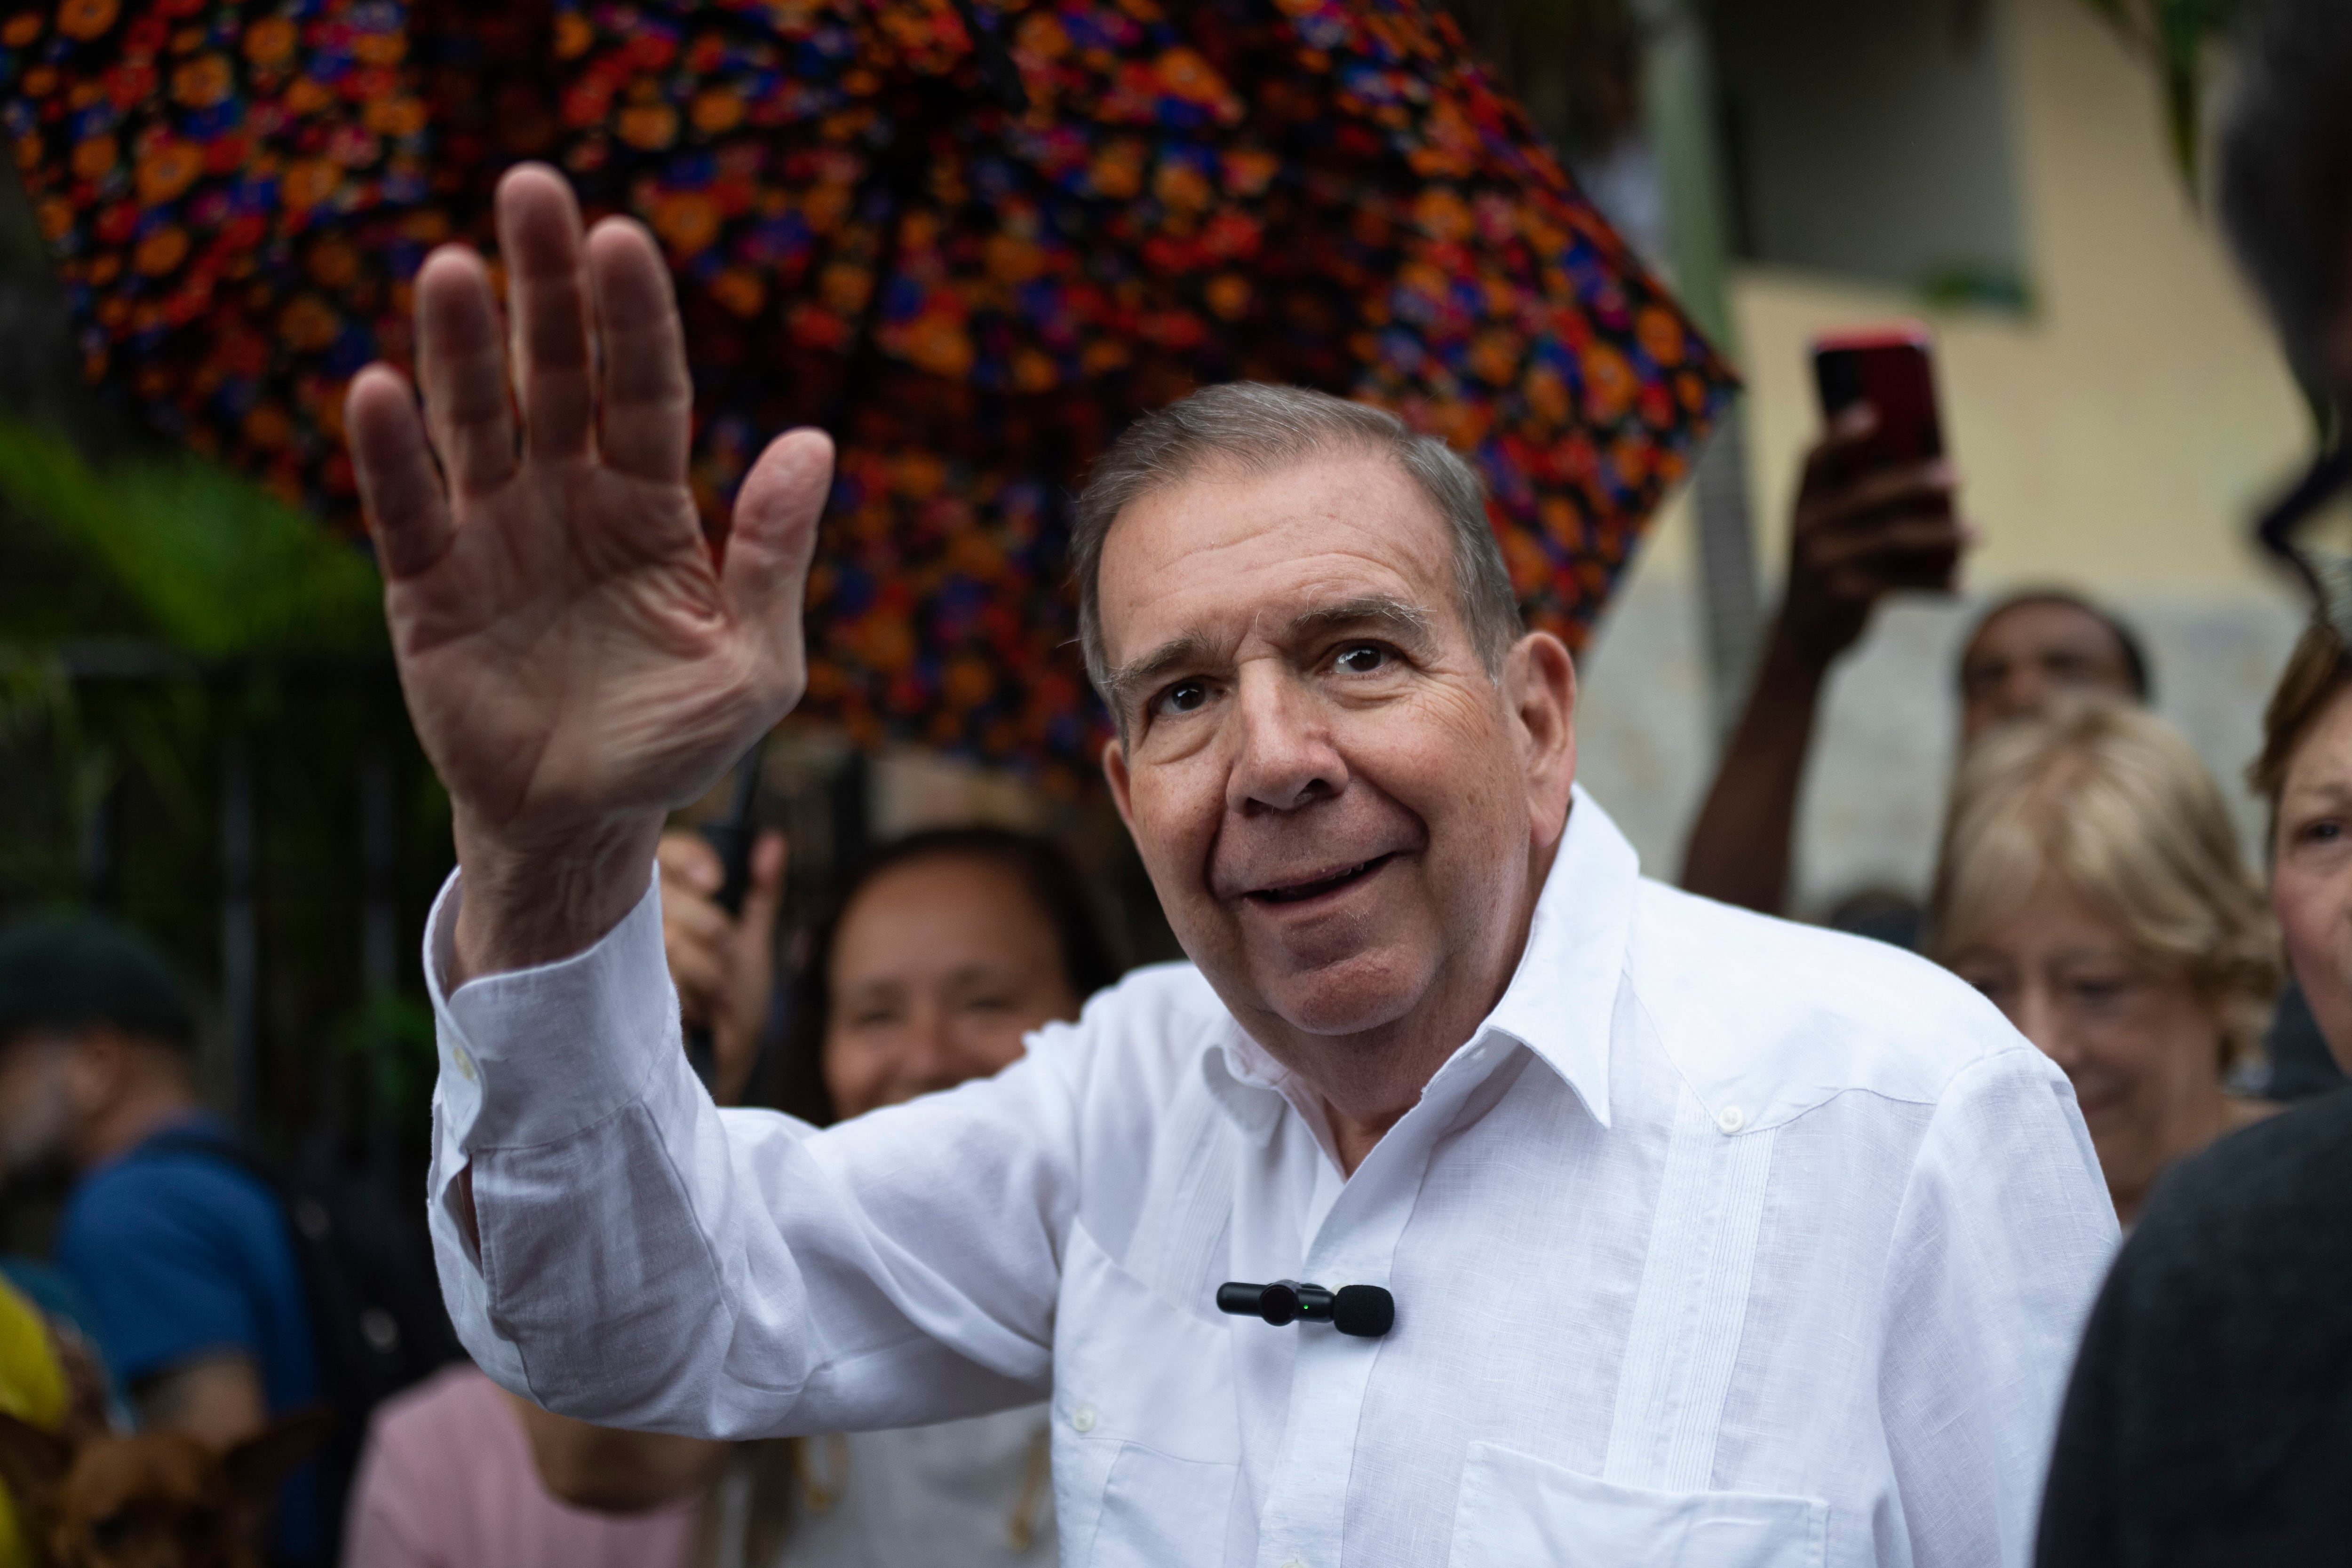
pixel 1515 1509
pixel 1147 1433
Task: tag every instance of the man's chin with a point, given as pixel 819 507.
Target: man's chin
pixel 1351 996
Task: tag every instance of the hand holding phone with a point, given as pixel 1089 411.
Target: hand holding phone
pixel 1874 512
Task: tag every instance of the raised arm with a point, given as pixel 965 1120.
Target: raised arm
pixel 577 658
pixel 1853 540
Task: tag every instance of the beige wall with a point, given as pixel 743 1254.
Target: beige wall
pixel 2118 433
pixel 2115 439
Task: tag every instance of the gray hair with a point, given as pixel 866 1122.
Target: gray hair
pixel 2287 168
pixel 1257 429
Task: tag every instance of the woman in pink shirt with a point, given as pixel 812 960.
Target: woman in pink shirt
pixel 448 1481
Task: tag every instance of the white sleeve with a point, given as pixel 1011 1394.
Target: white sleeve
pixel 2003 1235
pixel 646 1259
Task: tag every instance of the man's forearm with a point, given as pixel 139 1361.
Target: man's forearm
pixel 1741 847
pixel 526 905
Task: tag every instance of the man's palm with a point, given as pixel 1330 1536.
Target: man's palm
pixel 571 653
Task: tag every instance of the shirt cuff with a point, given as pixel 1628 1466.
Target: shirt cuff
pixel 533 1056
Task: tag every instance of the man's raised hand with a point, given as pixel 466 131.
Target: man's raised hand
pixel 575 661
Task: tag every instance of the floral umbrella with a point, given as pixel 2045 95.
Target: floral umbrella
pixel 974 283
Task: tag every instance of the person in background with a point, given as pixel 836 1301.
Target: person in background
pixel 2090 884
pixel 724 966
pixel 37 1384
pixel 1853 540
pixel 2210 1416
pixel 946 949
pixel 1856 537
pixel 185 1257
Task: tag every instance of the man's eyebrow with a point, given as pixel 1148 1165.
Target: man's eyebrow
pixel 1401 619
pixel 1124 683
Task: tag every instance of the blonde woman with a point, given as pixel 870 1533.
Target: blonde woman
pixel 2091 885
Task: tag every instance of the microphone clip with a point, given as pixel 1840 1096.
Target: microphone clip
pixel 1364 1312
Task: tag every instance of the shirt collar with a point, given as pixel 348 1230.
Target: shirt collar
pixel 1559 1003
pixel 1562 999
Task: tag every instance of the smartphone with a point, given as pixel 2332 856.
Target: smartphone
pixel 1893 369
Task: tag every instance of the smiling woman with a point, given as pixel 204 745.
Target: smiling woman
pixel 2090 884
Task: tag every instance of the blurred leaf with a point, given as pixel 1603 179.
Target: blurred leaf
pixel 1977 286
pixel 392 1035
pixel 2179 37
pixel 34 691
pixel 218 565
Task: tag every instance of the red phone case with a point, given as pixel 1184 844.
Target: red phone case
pixel 1893 369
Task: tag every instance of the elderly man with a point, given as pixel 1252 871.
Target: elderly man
pixel 1709 1239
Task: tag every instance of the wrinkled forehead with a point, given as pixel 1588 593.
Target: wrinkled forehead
pixel 1226 547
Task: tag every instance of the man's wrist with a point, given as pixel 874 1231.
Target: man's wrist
pixel 524 904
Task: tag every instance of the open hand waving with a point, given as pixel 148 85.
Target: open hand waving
pixel 576 660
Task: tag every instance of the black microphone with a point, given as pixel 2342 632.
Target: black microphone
pixel 1366 1311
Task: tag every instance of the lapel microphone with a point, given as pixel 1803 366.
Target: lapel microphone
pixel 1367 1312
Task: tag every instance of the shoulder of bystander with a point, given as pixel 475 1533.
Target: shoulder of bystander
pixel 2234 1279
pixel 182 1253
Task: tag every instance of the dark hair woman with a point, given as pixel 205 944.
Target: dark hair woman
pixel 944 949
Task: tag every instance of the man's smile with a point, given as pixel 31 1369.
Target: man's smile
pixel 1319 885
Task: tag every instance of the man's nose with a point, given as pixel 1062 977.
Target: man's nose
pixel 1286 758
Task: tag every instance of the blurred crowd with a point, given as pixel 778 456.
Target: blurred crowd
pixel 213 1351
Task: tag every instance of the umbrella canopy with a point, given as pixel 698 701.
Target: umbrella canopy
pixel 868 233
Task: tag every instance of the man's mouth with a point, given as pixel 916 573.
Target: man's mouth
pixel 1299 892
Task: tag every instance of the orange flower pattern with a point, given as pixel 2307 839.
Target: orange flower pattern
pixel 1328 192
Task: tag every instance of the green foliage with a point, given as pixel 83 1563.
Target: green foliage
pixel 2179 37
pixel 1971 286
pixel 390 1038
pixel 218 567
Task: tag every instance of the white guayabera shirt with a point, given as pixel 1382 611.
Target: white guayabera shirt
pixel 1725 1243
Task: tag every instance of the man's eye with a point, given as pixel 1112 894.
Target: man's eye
pixel 2326 831
pixel 1362 660
pixel 1184 696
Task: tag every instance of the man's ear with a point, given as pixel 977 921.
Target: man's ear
pixel 1539 688
pixel 1114 767
pixel 32 1461
pixel 258 1463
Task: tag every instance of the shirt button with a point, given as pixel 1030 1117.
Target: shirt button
pixel 1082 1419
pixel 1731 1118
pixel 465 1062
